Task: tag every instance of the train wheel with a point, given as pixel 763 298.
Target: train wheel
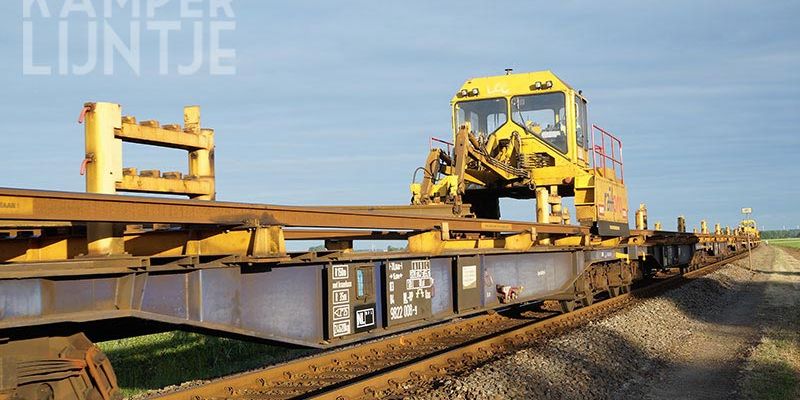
pixel 567 305
pixel 588 299
pixel 614 291
pixel 57 368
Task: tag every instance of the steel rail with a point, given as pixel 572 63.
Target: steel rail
pixel 8 229
pixel 340 373
pixel 34 205
pixel 285 381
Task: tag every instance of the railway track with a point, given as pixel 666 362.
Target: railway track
pixel 387 367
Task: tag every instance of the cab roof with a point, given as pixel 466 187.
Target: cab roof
pixel 510 85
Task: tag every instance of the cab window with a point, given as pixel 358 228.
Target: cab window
pixel 582 129
pixel 543 115
pixel 485 116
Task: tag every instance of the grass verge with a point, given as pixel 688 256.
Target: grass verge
pixel 793 242
pixel 155 361
pixel 773 370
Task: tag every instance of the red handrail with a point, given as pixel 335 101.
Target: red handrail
pixel 433 139
pixel 84 111
pixel 616 150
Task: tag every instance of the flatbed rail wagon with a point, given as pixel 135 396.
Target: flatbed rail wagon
pixel 83 267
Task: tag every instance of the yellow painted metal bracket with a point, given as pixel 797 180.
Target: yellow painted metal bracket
pixel 171 136
pixel 153 184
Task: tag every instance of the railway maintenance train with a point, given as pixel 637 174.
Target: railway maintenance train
pixel 83 267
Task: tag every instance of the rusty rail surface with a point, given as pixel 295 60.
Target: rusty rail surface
pixel 382 368
pixel 303 377
pixel 35 205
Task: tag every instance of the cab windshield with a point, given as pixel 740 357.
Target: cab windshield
pixel 485 116
pixel 543 115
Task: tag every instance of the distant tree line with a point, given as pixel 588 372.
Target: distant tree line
pixel 781 234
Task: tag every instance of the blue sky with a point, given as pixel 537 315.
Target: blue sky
pixel 333 103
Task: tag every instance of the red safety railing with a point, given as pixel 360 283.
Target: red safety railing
pixel 609 151
pixel 433 139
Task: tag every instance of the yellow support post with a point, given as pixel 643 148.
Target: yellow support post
pixel 641 217
pixel 103 170
pixel 201 161
pixel 542 214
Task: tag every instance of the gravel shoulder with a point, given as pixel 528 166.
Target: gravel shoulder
pixel 702 340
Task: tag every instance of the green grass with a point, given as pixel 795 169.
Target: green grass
pixel 154 361
pixel 774 367
pixel 790 242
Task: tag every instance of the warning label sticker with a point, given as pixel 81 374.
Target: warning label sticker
pixel 409 290
pixel 469 278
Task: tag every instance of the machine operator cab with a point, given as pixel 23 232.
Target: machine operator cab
pixel 749 227
pixel 547 116
pixel 522 134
